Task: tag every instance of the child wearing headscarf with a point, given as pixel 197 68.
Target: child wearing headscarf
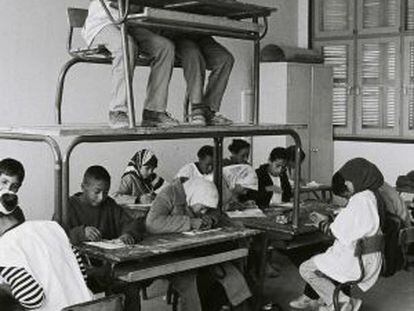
pixel 139 183
pixel 191 204
pixel 240 184
pixel 358 181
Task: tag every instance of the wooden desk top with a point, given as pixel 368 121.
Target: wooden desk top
pixel 285 232
pixel 178 132
pixel 166 243
pixel 227 8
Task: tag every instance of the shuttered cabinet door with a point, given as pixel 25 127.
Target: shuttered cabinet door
pixel 340 55
pixel 333 18
pixel 378 86
pixel 408 89
pixel 409 15
pixel 378 16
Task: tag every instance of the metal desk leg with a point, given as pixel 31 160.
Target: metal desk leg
pixel 127 70
pixel 218 168
pixel 262 272
pixel 256 76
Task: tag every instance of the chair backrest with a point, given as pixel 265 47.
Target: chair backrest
pixel 77 17
pixel 369 245
pixel 111 303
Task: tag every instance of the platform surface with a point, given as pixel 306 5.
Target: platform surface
pixel 182 130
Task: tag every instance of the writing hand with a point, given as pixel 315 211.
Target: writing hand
pixel 92 234
pixel 127 239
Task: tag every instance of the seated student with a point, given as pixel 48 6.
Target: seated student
pixel 394 204
pixel 240 152
pixel 290 164
pixel 139 183
pixel 203 168
pixel 38 265
pixel 240 185
pixel 93 215
pixel 274 186
pixel 190 204
pixel 358 181
pixel 12 174
pixel 99 30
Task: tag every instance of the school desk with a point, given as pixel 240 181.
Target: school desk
pixel 283 236
pixel 162 255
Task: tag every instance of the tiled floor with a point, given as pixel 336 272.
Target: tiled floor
pixel 389 294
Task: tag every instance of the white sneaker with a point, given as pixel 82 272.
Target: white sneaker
pixel 304 302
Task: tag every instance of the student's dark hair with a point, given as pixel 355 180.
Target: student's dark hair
pixel 97 172
pixel 8 302
pixel 291 153
pixel 338 184
pixel 12 167
pixel 205 151
pixel 278 153
pixel 237 145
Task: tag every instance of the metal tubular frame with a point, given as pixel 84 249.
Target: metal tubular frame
pixel 57 156
pixel 218 140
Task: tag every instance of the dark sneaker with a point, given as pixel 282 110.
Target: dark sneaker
pixel 218 119
pixel 118 119
pixel 158 119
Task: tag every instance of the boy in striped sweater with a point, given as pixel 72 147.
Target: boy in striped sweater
pixel 38 266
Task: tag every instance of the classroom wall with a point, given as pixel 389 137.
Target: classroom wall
pixel 393 159
pixel 32 50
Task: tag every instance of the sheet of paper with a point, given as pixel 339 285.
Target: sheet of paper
pixel 253 212
pixel 200 232
pixel 107 244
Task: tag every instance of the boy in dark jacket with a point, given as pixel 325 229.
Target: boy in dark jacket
pixel 274 186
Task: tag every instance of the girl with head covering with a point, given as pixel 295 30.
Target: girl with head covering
pixel 240 183
pixel 191 204
pixel 139 183
pixel 358 181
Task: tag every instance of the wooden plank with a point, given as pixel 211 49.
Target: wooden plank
pixel 136 274
pixel 105 130
pixel 155 245
pixel 175 18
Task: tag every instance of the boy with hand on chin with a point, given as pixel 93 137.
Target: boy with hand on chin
pixel 93 215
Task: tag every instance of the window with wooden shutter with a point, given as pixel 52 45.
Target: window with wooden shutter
pixel 378 16
pixel 409 15
pixel 378 83
pixel 408 114
pixel 339 56
pixel 334 18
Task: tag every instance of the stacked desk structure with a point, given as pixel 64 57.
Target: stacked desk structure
pixel 183 15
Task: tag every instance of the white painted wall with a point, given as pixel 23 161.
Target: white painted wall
pixel 32 50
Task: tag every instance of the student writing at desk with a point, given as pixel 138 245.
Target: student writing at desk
pixel 39 269
pixel 274 186
pixel 202 168
pixel 139 183
pixel 364 216
pixel 240 152
pixel 192 205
